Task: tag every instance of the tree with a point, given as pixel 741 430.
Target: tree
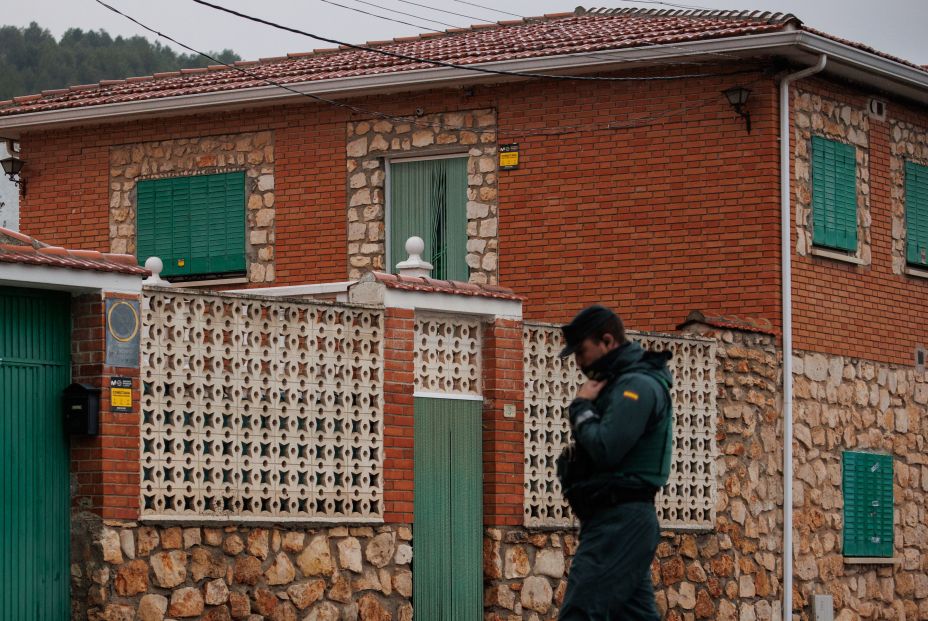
pixel 31 60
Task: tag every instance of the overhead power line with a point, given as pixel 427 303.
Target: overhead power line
pixel 435 8
pixel 472 68
pixel 554 131
pixel 389 19
pixel 488 8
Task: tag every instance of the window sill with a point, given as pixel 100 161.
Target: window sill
pixel 215 282
pixel 916 272
pixel 837 256
pixel 872 560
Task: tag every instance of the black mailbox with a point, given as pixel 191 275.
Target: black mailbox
pixel 81 410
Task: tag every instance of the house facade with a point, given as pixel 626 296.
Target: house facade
pixel 647 191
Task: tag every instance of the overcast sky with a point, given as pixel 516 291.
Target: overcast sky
pixel 893 26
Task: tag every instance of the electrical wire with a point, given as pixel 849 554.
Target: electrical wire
pixel 389 19
pixel 545 35
pixel 646 121
pixel 488 8
pixel 435 8
pixel 476 69
pixel 251 74
pixel 638 123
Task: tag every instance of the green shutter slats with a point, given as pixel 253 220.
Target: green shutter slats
pixel 196 225
pixel 867 480
pixel 834 194
pixel 916 213
pixel 34 460
pixel 428 198
pixel 448 522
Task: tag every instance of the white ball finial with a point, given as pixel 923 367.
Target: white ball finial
pixel 155 266
pixel 414 265
pixel 415 246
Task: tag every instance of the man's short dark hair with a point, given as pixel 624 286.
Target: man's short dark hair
pixel 592 322
pixel 611 325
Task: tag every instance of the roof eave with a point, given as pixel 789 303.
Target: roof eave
pixel 845 61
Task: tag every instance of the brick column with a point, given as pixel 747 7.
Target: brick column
pixel 106 466
pixel 398 418
pixel 503 437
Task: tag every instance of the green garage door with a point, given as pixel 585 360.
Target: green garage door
pixel 35 333
pixel 447 535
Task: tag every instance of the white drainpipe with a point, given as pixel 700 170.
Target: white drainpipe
pixel 787 279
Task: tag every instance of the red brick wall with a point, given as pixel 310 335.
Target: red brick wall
pixel 398 419
pixel 68 198
pixel 679 214
pixel 862 311
pixel 106 465
pixel 654 221
pixel 503 441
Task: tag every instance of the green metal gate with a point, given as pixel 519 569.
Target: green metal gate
pixel 448 537
pixel 35 330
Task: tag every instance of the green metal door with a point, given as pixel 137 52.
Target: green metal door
pixel 448 537
pixel 35 330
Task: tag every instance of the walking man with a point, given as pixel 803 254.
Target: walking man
pixel 621 422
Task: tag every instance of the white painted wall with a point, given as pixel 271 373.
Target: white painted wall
pixel 9 198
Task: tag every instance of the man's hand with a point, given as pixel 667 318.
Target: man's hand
pixel 590 390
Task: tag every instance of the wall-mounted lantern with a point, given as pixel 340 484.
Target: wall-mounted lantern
pixel 12 167
pixel 738 96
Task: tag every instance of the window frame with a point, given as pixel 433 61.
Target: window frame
pixel 407 158
pixel 818 243
pixel 907 163
pixel 856 552
pixel 199 275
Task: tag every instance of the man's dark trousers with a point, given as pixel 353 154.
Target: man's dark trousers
pixel 610 575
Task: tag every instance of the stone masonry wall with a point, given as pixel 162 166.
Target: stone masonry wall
pixel 251 152
pixel 470 132
pixel 129 572
pixel 849 404
pixel 908 142
pixel 731 573
pixel 820 116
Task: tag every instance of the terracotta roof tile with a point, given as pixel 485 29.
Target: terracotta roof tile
pixel 18 248
pixel 556 34
pixel 453 287
pixel 585 30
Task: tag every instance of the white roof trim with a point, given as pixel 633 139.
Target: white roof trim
pixel 294 291
pixel 453 303
pixel 914 82
pixel 67 279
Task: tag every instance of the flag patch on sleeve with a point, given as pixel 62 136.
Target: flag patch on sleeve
pixel 630 395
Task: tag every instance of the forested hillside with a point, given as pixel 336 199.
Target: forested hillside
pixel 31 59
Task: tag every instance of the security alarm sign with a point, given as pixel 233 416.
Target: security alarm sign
pixel 508 156
pixel 121 394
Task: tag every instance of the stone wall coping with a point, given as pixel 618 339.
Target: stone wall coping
pixel 917 273
pixel 836 256
pixel 636 333
pixel 236 280
pixel 221 521
pixel 871 560
pixel 245 294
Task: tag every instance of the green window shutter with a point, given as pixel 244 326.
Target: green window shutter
pixel 196 225
pixel 428 198
pixel 834 194
pixel 868 504
pixel 916 214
